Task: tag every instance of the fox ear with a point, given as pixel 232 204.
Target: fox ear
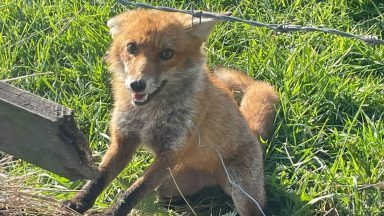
pixel 114 26
pixel 202 27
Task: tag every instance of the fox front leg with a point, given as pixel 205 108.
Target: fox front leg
pixel 151 179
pixel 114 161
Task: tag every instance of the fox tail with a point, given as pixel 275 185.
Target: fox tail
pixel 257 100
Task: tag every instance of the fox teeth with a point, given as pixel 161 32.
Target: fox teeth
pixel 144 98
pixel 140 98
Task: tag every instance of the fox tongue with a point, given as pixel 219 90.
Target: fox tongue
pixel 138 97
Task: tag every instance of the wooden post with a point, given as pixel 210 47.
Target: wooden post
pixel 43 133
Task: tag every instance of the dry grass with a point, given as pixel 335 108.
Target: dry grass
pixel 16 198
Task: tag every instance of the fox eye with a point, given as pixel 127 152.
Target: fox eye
pixel 132 48
pixel 166 54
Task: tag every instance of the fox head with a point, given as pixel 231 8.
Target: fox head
pixel 152 50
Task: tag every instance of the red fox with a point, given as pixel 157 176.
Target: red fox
pixel 167 100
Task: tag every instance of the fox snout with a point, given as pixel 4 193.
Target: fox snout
pixel 143 90
pixel 138 85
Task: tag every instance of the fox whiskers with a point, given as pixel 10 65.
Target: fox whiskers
pixel 157 85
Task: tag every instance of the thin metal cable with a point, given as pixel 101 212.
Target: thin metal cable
pixel 179 190
pixel 226 170
pixel 283 28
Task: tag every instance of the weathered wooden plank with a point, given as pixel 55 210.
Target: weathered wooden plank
pixel 43 133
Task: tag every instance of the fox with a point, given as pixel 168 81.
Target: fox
pixel 203 126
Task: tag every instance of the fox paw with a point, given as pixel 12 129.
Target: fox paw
pixel 98 213
pixel 76 205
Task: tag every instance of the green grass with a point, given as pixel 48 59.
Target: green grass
pixel 327 154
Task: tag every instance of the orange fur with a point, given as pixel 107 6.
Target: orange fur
pixel 185 108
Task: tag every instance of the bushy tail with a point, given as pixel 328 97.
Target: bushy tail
pixel 257 100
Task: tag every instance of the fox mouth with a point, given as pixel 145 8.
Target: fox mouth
pixel 141 99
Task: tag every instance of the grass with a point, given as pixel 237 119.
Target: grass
pixel 327 154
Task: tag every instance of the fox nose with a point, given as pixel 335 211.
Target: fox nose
pixel 138 85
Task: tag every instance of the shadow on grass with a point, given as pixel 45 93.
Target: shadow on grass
pixel 210 201
pixel 214 201
pixel 282 201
